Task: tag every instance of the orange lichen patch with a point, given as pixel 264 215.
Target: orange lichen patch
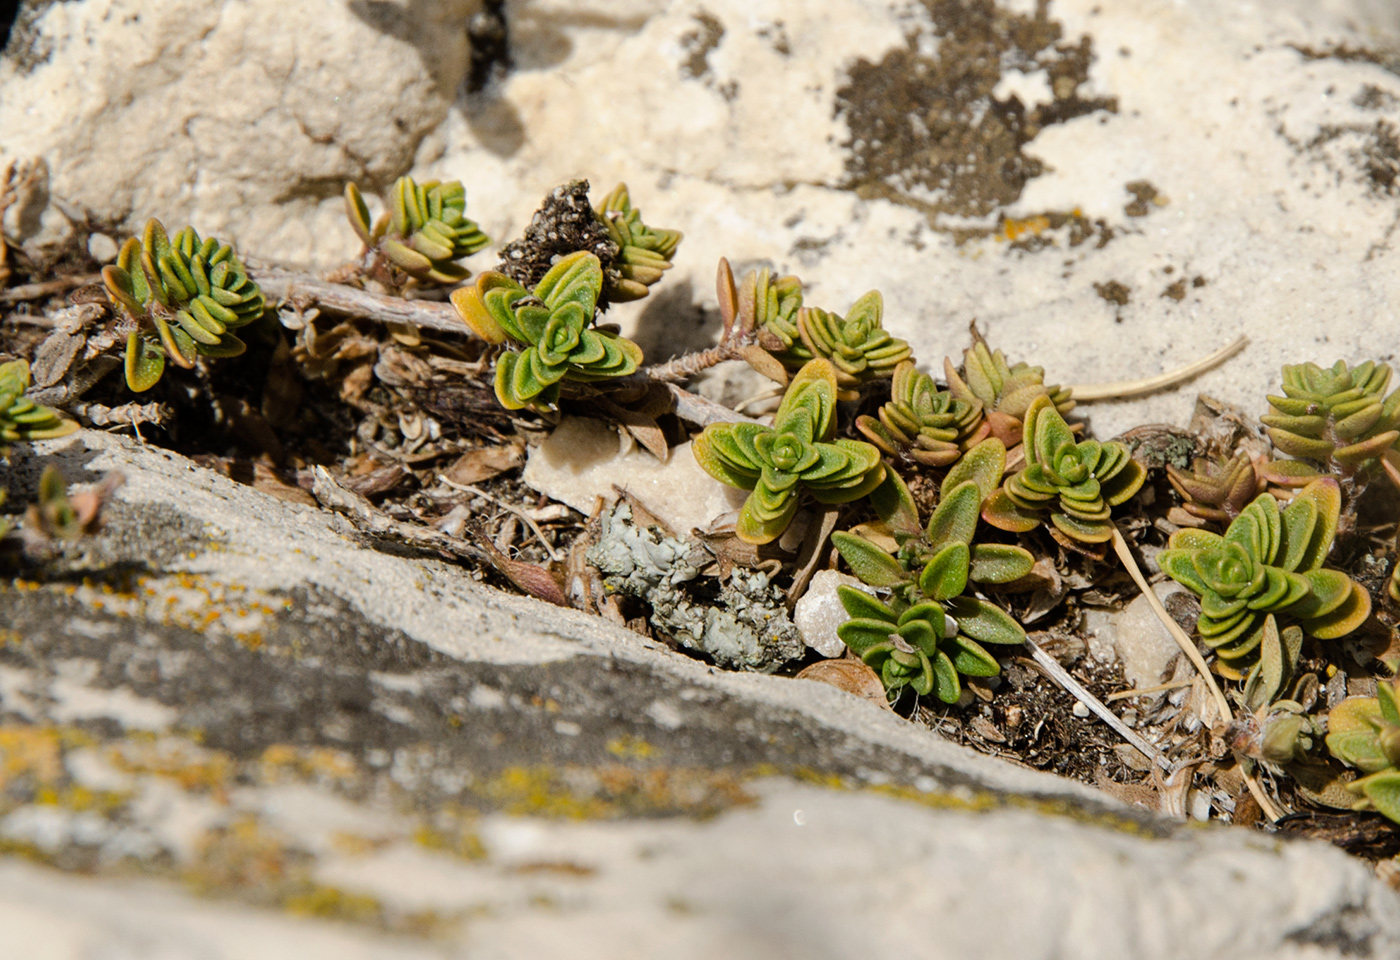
pixel 242 854
pixel 1013 229
pixel 10 638
pixel 282 762
pixel 32 754
pixel 628 747
pixel 460 841
pixel 586 793
pixel 332 903
pixel 193 767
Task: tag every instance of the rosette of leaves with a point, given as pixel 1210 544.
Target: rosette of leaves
pixel 795 455
pixel 920 421
pixel 1217 490
pixel 1364 732
pixel 1004 390
pixel 552 326
pixel 425 232
pixel 185 295
pixel 20 417
pixel 1339 417
pixel 1269 561
pixel 931 630
pixel 859 348
pixel 1077 483
pixel 644 253
pixel 770 305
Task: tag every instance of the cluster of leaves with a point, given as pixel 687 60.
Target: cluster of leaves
pixel 1338 418
pixel 797 454
pixel 1003 391
pixel 1217 491
pixel 1269 561
pixel 644 253
pixel 182 297
pixel 1364 732
pixel 20 417
pixel 553 327
pixel 424 231
pixel 857 345
pixel 929 425
pixel 1077 483
pixel 931 630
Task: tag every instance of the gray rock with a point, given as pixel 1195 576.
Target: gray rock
pixel 236 695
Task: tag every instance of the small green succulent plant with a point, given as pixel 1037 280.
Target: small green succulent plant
pixel 931 630
pixel 1269 561
pixel 553 326
pixel 22 418
pixel 184 295
pixel 1077 483
pixel 1275 728
pixel 859 348
pixel 1217 490
pixel 920 421
pixel 1339 417
pixel 425 231
pixel 770 305
pixel 1364 732
pixel 795 455
pixel 1004 390
pixel 644 253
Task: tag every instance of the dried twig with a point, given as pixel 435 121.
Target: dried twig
pixel 1120 547
pixel 48 288
pixel 1122 389
pixel 375 523
pixel 1062 676
pixel 529 521
pixel 304 292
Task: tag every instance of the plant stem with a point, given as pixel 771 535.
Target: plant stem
pixel 1120 547
pixel 1063 677
pixel 1122 389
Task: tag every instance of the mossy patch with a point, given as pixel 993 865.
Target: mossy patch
pixel 927 128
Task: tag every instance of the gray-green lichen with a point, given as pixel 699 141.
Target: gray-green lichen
pixel 741 622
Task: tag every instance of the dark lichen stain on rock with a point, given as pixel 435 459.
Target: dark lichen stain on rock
pixel 1176 291
pixel 1145 197
pixel 927 131
pixel 699 43
pixel 1114 292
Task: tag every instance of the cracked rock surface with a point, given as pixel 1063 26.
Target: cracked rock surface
pixel 231 728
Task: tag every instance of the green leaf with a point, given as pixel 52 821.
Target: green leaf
pixel 868 562
pixel 984 622
pixel 1004 514
pixel 972 659
pixel 1351 736
pixel 145 362
pixel 862 606
pixel 999 562
pixel 954 520
pixel 946 678
pixel 1349 615
pixel 1383 791
pixel 895 505
pixel 1322 496
pixel 983 465
pixel 945 576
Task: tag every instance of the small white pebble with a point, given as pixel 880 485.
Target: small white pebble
pixel 102 248
pixel 1081 709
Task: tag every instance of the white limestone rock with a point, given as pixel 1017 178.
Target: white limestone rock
pixel 819 612
pixel 584 459
pixel 245 119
